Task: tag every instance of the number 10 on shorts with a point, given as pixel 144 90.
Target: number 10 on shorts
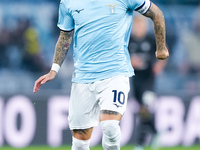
pixel 118 97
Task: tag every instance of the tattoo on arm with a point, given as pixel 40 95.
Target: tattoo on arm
pixel 159 25
pixel 62 46
pixel 108 112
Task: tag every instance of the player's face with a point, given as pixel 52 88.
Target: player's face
pixel 139 28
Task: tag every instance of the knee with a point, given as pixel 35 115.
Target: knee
pixel 111 134
pixel 80 144
pixel 110 128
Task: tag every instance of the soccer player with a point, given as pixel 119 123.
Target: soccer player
pixel 101 30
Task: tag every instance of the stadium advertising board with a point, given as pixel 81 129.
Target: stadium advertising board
pixel 29 120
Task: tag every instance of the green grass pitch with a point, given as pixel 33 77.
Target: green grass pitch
pixel 130 147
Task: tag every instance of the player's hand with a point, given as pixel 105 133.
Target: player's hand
pixel 137 62
pixel 43 79
pixel 162 54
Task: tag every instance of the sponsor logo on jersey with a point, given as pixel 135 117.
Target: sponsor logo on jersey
pixel 78 10
pixel 117 105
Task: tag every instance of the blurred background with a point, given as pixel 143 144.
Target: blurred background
pixel 28 34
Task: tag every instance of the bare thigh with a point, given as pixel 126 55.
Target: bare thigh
pixel 109 115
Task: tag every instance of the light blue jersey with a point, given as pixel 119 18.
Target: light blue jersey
pixel 101 35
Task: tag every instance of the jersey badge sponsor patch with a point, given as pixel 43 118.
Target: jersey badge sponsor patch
pixel 112 7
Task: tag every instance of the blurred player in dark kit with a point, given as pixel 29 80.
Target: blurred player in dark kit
pixel 142 47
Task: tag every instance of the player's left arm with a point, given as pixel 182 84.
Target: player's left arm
pixel 157 17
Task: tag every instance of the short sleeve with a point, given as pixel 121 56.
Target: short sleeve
pixel 141 6
pixel 65 20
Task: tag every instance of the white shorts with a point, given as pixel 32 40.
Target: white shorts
pixel 87 100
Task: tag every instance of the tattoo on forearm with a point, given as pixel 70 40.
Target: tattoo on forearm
pixel 62 46
pixel 108 112
pixel 159 25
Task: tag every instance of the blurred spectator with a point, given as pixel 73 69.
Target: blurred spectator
pixel 191 40
pixel 32 59
pixel 142 47
pixel 4 41
pixel 20 49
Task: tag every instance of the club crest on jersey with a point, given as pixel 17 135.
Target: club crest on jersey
pixel 112 7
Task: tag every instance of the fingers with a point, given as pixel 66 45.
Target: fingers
pixel 162 54
pixel 38 83
pixel 43 79
pixel 162 57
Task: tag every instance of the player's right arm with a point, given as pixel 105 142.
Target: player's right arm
pixel 61 49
